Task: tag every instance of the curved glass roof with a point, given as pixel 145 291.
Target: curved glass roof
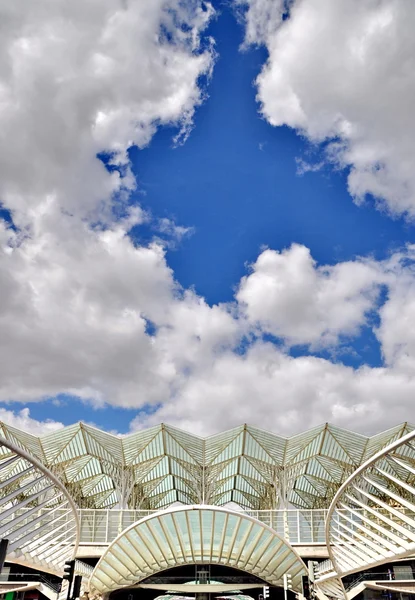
pixel 154 468
pixel 191 535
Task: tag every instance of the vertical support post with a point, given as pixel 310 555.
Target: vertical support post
pixel 120 527
pixel 107 534
pixel 94 527
pixel 312 526
pixel 203 484
pixel 286 526
pixel 283 502
pixel 4 544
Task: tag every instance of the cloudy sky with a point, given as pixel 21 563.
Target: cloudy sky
pixel 207 214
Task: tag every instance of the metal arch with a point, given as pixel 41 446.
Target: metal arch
pixel 196 534
pixel 364 530
pixel 38 515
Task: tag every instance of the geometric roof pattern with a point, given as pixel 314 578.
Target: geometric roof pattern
pixel 154 468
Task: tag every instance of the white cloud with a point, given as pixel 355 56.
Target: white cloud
pixel 84 310
pixel 73 315
pixel 397 316
pixel 74 321
pixel 290 297
pixel 304 166
pixel 344 71
pixel 22 420
pixel 261 18
pixel 78 79
pixel 271 390
pixel 85 77
pixel 298 300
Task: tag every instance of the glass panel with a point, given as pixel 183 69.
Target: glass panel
pixel 266 554
pixel 161 540
pixel 194 524
pixel 218 532
pixel 207 522
pixel 254 535
pixel 230 529
pixel 243 528
pixel 148 543
pixel 180 520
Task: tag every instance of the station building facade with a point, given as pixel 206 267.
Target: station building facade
pixel 165 514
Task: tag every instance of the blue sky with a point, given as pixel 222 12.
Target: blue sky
pixel 236 185
pixel 234 181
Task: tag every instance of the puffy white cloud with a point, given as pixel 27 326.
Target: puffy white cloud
pixel 397 316
pixel 86 311
pixel 78 304
pixel 73 314
pixel 22 420
pixel 76 80
pixel 298 301
pixel 344 72
pixel 290 297
pixel 87 77
pixel 273 391
pixel 75 319
pixel 76 311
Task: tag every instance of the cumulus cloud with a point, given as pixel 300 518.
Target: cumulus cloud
pixel 344 72
pixel 80 81
pixel 287 294
pixel 78 313
pixel 267 388
pixel 93 315
pixel 396 332
pixel 290 297
pixel 73 313
pixel 86 310
pixel 22 420
pixel 84 78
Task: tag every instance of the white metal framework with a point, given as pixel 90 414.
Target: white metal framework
pixel 371 520
pixel 37 515
pixel 368 482
pixel 192 535
pixel 153 468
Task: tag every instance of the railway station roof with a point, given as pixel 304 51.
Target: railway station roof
pixel 161 466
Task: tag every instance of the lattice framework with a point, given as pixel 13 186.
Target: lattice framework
pixel 154 468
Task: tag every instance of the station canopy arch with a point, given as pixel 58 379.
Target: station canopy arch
pixel 196 535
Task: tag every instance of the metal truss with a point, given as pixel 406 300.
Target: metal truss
pixel 371 520
pixel 196 535
pixel 152 469
pixel 37 514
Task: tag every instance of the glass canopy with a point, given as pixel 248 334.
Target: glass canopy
pixel 157 467
pixel 192 535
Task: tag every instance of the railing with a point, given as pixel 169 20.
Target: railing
pixel 372 577
pixel 298 526
pixel 20 578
